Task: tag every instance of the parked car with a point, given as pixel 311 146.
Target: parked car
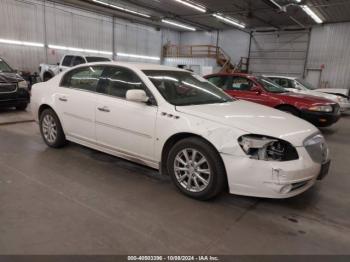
pixel 175 121
pixel 67 61
pixel 319 111
pixel 13 88
pixel 298 85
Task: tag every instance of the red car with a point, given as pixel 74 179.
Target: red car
pixel 321 112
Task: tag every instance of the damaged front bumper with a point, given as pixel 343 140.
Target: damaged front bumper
pixel 271 179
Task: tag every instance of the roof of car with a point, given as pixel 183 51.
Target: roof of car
pixel 140 66
pixel 277 76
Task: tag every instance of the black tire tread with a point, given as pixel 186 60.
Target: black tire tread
pixel 219 180
pixel 61 138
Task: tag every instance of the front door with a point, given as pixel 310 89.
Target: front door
pixel 245 89
pixel 121 125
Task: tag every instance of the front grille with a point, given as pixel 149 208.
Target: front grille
pixel 8 87
pixel 317 148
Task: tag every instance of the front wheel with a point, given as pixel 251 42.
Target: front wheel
pixel 22 107
pixel 196 169
pixel 51 129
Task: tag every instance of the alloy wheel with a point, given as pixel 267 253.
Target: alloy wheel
pixel 49 128
pixel 192 170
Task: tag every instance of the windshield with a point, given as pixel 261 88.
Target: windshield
pixel 306 84
pixel 184 88
pixel 93 59
pixel 5 67
pixel 270 86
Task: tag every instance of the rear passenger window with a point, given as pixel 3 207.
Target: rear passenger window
pixel 85 78
pixel 67 60
pixel 218 81
pixel 117 81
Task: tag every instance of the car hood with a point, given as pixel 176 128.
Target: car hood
pixel 342 91
pixel 255 119
pixel 318 94
pixel 10 77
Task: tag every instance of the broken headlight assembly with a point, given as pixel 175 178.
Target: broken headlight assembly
pixel 267 148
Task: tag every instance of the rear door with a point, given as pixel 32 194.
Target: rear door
pixel 76 102
pixel 125 126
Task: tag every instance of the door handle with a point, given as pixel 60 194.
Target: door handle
pixel 103 109
pixel 63 99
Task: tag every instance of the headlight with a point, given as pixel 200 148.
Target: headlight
pixel 327 109
pixel 23 84
pixel 341 99
pixel 267 148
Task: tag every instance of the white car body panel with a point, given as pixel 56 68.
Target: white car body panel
pixel 138 132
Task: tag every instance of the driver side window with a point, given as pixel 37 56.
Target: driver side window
pixel 241 84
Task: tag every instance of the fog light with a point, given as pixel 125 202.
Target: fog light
pixel 323 120
pixel 286 189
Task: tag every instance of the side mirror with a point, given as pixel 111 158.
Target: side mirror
pixel 256 90
pixel 137 95
pixel 58 63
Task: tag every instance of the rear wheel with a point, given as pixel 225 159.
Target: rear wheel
pixel 51 129
pixel 196 169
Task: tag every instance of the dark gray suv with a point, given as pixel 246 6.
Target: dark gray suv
pixel 14 91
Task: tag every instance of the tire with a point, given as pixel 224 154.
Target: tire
pixel 47 77
pixel 51 129
pixel 197 189
pixel 21 107
pixel 290 110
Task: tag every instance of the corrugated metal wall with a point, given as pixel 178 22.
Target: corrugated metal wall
pixel 234 42
pixel 22 20
pixel 330 45
pixel 279 53
pixel 66 26
pixel 198 65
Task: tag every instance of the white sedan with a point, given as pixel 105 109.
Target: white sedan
pixel 175 121
pixel 297 85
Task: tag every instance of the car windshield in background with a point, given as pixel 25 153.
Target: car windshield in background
pixel 306 84
pixel 94 59
pixel 5 67
pixel 184 88
pixel 270 86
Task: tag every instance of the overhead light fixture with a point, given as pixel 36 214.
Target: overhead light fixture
pixel 192 5
pixel 23 43
pixel 178 25
pixel 75 49
pixel 122 8
pixel 312 14
pixel 229 20
pixel 139 56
